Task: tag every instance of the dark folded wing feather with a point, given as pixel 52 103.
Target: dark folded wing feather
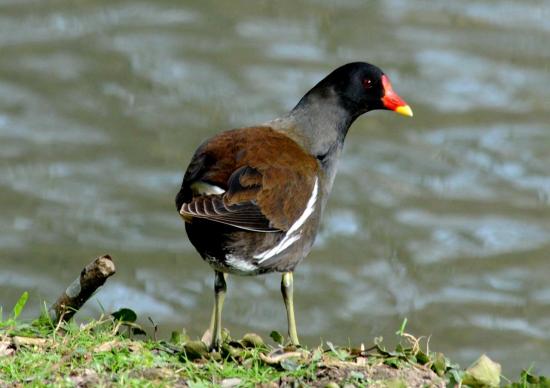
pixel 245 215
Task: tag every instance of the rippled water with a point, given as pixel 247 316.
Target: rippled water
pixel 444 219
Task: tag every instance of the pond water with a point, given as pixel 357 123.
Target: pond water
pixel 443 218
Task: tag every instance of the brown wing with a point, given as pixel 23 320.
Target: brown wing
pixel 267 180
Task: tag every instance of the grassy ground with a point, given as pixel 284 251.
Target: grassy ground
pixel 114 351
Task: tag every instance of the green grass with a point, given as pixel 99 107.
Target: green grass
pixel 99 353
pixel 114 351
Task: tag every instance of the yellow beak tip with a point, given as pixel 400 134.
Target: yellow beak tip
pixel 404 110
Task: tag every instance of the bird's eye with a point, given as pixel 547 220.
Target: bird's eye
pixel 367 83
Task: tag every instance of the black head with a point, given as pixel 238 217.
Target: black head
pixel 361 87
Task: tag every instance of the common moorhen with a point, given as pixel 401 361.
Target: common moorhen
pixel 252 198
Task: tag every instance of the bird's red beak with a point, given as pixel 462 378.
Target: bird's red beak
pixel 392 101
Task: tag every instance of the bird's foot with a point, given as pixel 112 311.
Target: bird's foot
pixel 292 346
pixel 215 346
pixel 214 343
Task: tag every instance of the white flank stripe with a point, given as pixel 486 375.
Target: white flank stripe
pixel 291 237
pixel 239 263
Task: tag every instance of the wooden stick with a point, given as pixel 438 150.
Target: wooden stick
pixel 91 278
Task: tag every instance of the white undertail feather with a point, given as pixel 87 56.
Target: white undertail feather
pixel 291 236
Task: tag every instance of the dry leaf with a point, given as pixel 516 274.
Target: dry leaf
pixel 6 349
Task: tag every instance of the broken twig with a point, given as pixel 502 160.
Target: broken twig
pixel 91 278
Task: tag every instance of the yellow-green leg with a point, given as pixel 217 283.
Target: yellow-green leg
pixel 220 289
pixel 287 289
